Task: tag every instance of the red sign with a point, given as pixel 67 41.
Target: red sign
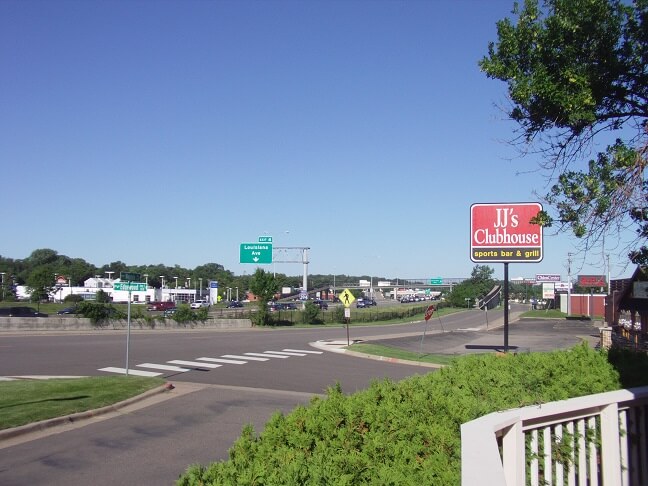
pixel 592 281
pixel 503 232
pixel 429 312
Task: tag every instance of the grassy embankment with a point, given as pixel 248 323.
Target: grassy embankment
pixel 27 401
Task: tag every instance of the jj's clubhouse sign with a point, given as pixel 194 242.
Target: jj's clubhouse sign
pixel 503 232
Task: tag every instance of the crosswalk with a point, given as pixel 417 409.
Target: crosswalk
pixel 207 363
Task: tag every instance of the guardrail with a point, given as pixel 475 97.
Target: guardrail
pixel 594 440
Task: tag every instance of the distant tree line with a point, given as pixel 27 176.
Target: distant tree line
pixel 40 269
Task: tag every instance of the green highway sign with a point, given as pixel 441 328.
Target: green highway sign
pixel 130 286
pixel 436 281
pixel 130 277
pixel 259 253
pixel 265 239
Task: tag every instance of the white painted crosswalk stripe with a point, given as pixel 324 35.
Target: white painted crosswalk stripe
pixel 112 369
pixel 195 364
pixel 287 353
pixel 307 351
pixel 221 360
pixel 266 354
pixel 163 367
pixel 210 363
pixel 247 358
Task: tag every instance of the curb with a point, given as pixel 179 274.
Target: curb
pixel 339 346
pixel 75 417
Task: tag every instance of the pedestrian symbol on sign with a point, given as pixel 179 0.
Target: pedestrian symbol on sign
pixel 347 297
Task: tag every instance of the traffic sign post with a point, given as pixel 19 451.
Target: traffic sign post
pixel 504 232
pixel 130 286
pixel 130 277
pixel 259 253
pixel 347 298
pixel 436 281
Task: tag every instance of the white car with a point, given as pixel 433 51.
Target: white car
pixel 199 303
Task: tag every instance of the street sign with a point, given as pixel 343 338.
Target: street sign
pixel 436 281
pixel 130 277
pixel 265 239
pixel 130 286
pixel 429 312
pixel 503 232
pixel 592 281
pixel 259 253
pixel 347 298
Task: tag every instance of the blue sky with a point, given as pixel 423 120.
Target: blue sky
pixel 173 131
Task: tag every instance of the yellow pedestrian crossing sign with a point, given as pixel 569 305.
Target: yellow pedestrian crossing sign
pixel 346 297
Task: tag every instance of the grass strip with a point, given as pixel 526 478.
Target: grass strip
pixel 388 352
pixel 26 401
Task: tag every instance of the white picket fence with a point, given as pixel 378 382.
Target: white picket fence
pixel 587 441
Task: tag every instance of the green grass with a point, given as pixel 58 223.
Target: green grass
pixel 388 352
pixel 27 401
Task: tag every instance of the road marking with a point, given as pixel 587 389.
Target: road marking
pixel 307 351
pixel 163 367
pixel 288 353
pixel 220 360
pixel 249 358
pixel 112 369
pixel 266 353
pixel 195 364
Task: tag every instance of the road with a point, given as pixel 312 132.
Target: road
pixel 153 445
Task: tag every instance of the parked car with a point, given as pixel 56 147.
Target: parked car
pixel 161 306
pixel 322 304
pixel 362 303
pixel 199 303
pixel 234 304
pixel 20 311
pixel 67 310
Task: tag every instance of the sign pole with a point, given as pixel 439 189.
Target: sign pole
pixel 506 307
pixel 128 333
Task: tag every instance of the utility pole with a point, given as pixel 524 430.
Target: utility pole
pixel 569 283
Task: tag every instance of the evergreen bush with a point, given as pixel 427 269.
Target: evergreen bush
pixel 402 433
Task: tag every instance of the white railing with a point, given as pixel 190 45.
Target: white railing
pixel 593 440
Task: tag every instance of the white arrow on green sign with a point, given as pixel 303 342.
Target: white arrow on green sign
pixel 130 286
pixel 259 253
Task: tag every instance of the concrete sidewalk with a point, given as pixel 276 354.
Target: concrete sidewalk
pixel 525 335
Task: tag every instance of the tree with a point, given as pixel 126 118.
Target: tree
pixel 477 286
pixel 41 283
pixel 577 77
pixel 264 287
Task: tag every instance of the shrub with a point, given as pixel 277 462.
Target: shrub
pixel 99 313
pixel 310 314
pixel 73 298
pixel 402 433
